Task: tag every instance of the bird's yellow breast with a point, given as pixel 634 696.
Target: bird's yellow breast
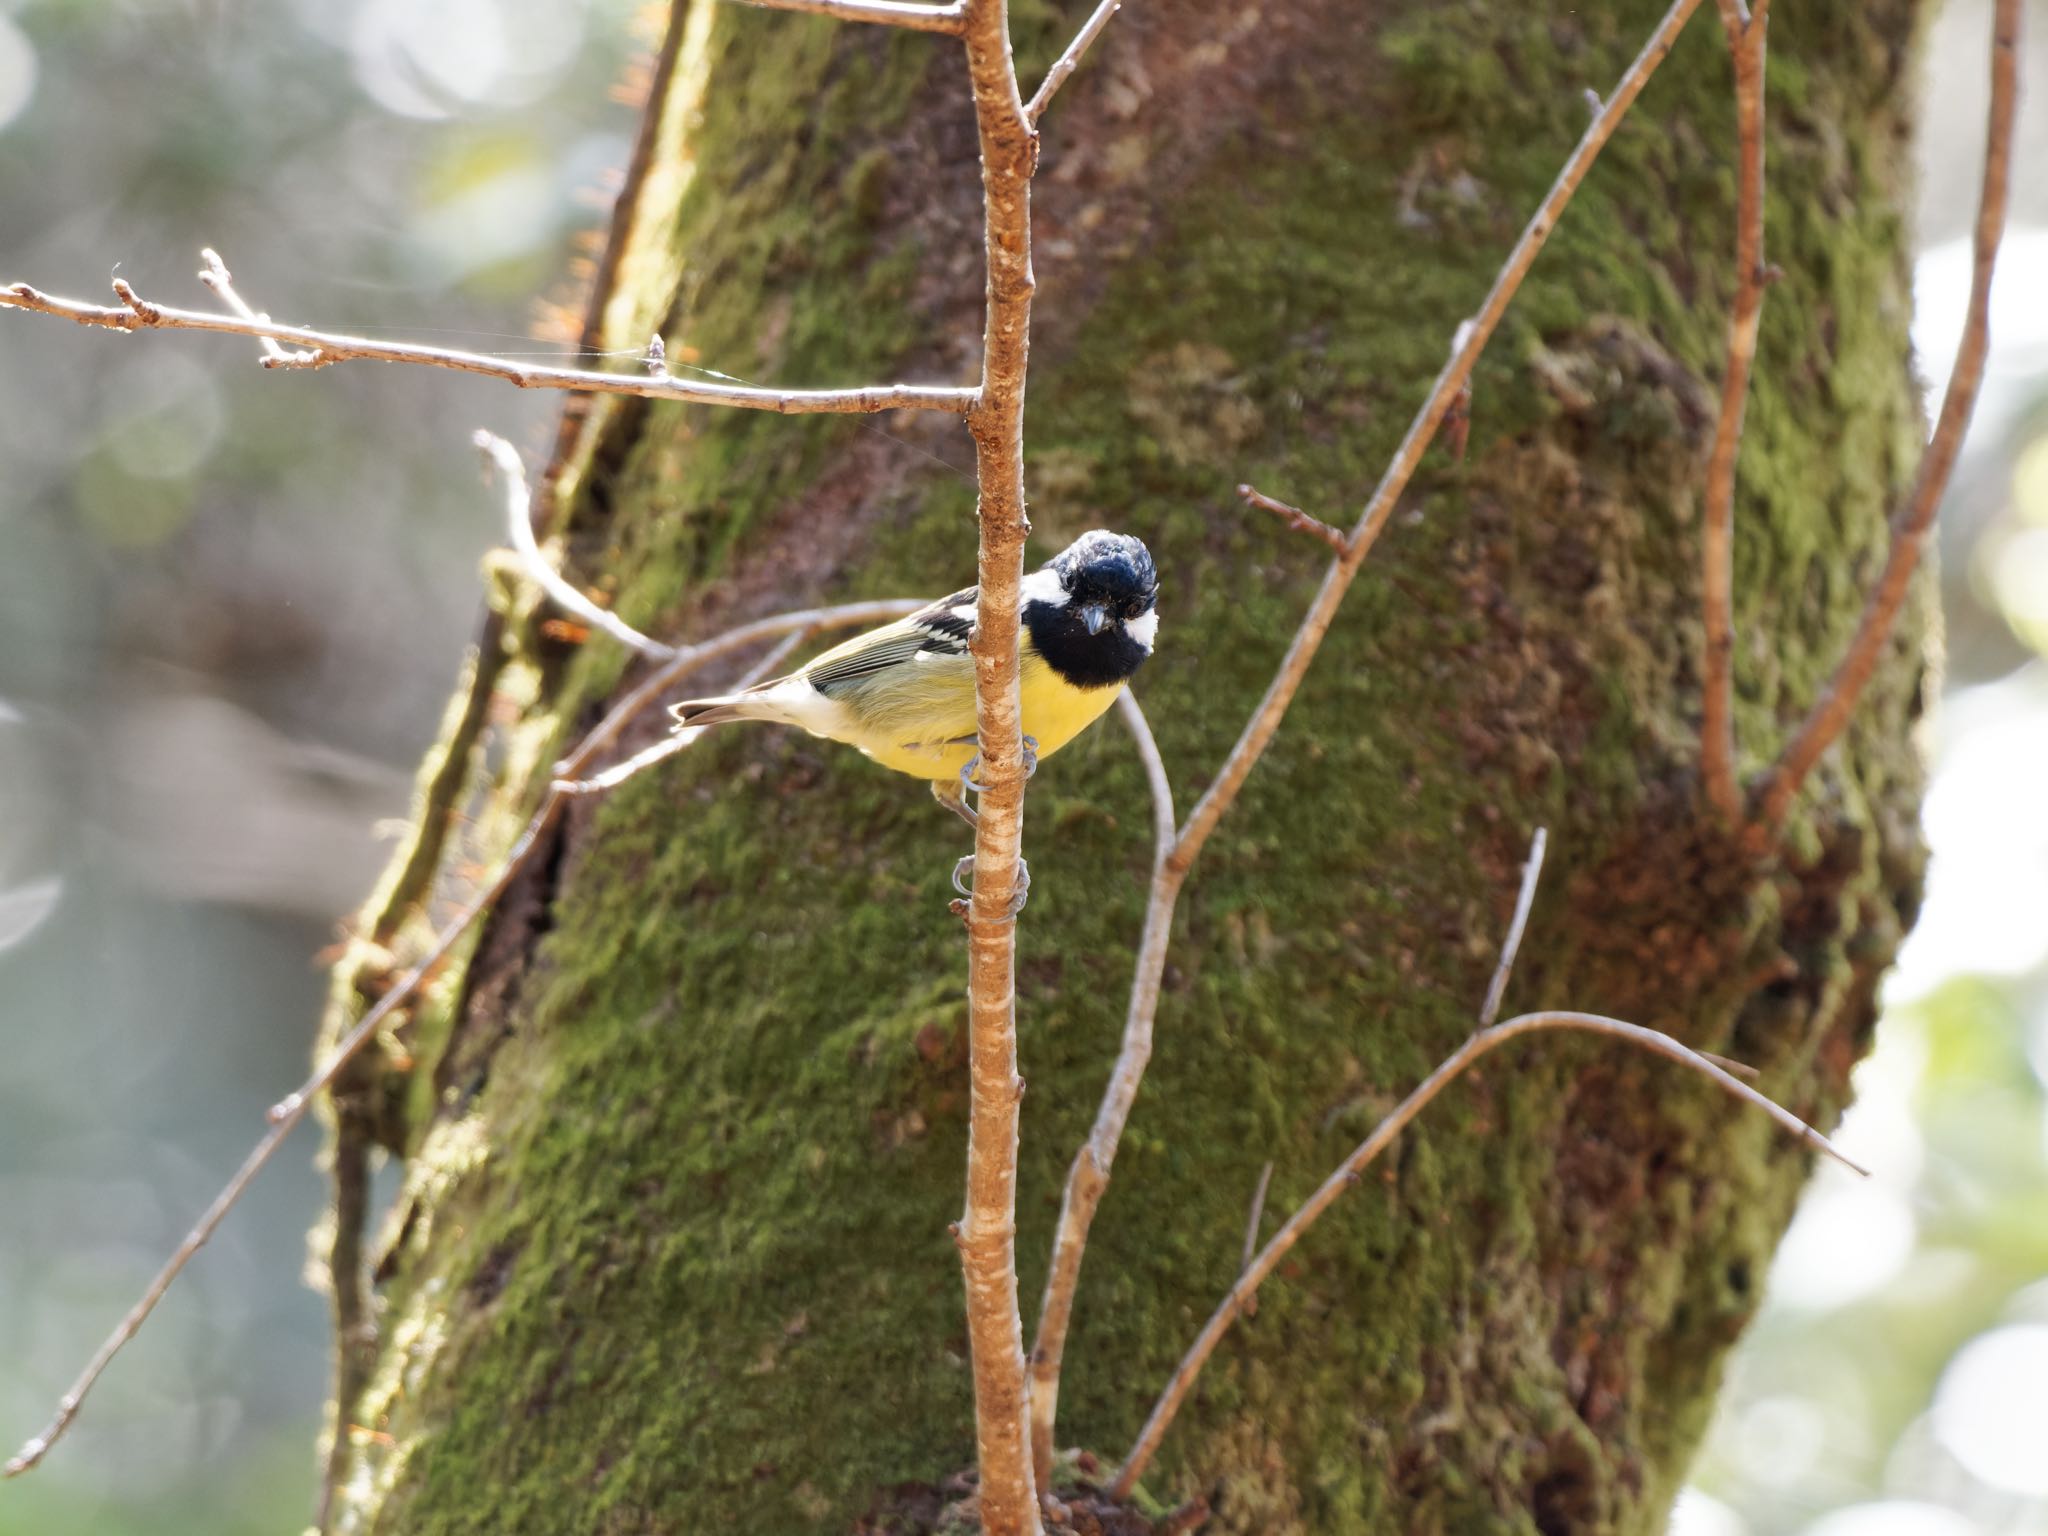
pixel 1054 710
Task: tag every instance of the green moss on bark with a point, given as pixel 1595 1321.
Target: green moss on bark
pixel 681 1263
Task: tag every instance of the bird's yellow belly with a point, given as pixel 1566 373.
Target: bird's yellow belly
pixel 1055 712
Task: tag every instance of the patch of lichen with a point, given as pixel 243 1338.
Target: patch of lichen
pixel 701 1281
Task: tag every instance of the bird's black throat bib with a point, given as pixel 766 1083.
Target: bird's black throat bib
pixel 1086 661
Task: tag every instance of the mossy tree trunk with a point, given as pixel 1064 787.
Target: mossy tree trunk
pixel 684 1139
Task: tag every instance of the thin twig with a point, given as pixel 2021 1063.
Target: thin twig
pixel 1734 1068
pixel 1382 1137
pixel 987 1231
pixel 1772 795
pixel 1295 518
pixel 135 313
pixel 1532 871
pixel 1265 720
pixel 285 1115
pixel 216 276
pixel 948 19
pixel 1089 1173
pixel 1745 33
pixel 519 529
pixel 1070 60
pixel 1251 1232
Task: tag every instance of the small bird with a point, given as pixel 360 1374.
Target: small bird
pixel 904 693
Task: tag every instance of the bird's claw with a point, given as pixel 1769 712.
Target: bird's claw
pixel 1017 899
pixel 974 762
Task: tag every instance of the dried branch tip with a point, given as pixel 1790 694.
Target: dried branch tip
pixel 1295 518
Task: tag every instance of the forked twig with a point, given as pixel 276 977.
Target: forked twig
pixel 1745 32
pixel 1070 60
pixel 1089 1174
pixel 135 313
pixel 504 458
pixel 1382 1137
pixel 1772 796
pixel 216 276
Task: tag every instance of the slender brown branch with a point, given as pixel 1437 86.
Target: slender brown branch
pixel 285 1115
pixel 1382 1137
pixel 1089 1174
pixel 135 313
pixel 1295 518
pixel 1265 720
pixel 1745 34
pixel 1772 796
pixel 504 458
pixel 948 19
pixel 1070 60
pixel 987 1231
pixel 1532 871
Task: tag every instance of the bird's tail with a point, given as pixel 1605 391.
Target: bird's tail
pixel 764 701
pixel 696 713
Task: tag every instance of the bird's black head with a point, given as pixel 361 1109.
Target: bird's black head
pixel 1109 575
pixel 1091 609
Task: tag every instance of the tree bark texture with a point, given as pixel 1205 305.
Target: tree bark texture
pixel 683 1138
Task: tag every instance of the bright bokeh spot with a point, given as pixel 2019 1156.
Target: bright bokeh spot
pixel 2019 307
pixel 1695 1514
pixel 1892 1517
pixel 1991 1409
pixel 1853 1235
pixel 1986 821
pixel 17 71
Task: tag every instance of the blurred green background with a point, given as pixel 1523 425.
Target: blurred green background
pixel 232 604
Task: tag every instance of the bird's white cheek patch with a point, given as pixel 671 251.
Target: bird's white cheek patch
pixel 1144 628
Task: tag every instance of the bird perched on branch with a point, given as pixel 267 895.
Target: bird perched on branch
pixel 904 693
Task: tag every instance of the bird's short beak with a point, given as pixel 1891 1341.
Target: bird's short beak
pixel 1094 615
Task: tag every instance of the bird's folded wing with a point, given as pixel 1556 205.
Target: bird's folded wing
pixel 939 630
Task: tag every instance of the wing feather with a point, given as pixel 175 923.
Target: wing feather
pixel 939 629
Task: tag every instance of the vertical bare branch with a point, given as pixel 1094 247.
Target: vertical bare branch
pixel 1717 527
pixel 1382 1137
pixel 1830 714
pixel 987 1232
pixel 1089 1174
